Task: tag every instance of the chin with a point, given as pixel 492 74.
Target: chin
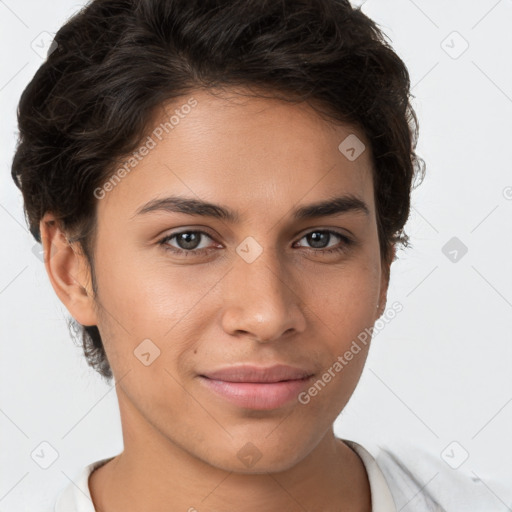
pixel 257 457
pixel 262 466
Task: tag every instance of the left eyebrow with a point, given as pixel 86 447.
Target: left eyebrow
pixel 176 204
pixel 335 206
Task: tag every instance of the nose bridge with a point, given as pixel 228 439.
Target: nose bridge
pixel 261 300
pixel 262 270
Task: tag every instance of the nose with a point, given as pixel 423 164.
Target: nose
pixel 261 301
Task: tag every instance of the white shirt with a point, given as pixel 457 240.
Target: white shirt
pixel 400 487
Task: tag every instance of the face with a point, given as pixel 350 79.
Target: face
pixel 182 295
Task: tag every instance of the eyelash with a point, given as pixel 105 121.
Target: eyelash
pixel 347 242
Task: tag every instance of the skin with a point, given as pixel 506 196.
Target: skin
pixel 292 305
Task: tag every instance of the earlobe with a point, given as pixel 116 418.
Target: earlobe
pixel 68 271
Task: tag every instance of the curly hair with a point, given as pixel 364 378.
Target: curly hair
pixel 115 62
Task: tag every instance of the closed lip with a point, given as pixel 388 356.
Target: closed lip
pixel 252 373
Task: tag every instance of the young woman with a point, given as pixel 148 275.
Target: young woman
pixel 220 188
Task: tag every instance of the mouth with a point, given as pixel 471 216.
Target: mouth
pixel 252 387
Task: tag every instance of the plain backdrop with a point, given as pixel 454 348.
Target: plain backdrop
pixel 437 386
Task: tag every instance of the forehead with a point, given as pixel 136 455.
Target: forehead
pixel 253 153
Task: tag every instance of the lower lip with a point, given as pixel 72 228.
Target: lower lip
pixel 254 395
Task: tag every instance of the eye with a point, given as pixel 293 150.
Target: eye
pixel 320 238
pixel 188 242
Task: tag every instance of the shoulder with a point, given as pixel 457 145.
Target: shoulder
pixel 418 475
pixel 421 481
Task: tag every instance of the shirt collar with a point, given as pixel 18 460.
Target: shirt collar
pixel 382 499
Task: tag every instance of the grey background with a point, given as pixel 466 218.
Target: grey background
pixel 437 387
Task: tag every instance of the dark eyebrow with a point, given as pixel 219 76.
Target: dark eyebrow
pixel 334 206
pixel 176 204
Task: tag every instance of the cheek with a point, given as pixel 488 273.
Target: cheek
pixel 147 300
pixel 166 305
pixel 343 308
pixel 345 298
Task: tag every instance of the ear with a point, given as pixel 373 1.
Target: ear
pixel 68 271
pixel 385 275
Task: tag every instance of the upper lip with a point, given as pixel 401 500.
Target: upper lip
pixel 250 373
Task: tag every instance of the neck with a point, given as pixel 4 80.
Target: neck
pixel 155 473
